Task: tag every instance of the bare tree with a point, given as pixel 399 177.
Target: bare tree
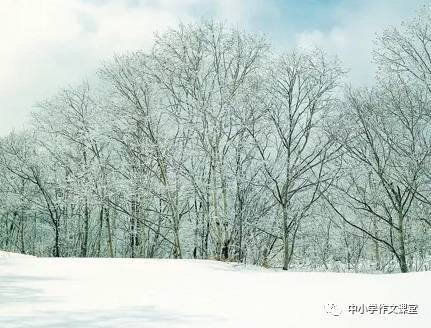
pixel 299 93
pixel 385 149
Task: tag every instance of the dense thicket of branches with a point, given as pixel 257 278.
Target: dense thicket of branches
pixel 211 146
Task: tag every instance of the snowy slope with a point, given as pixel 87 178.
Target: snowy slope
pixel 49 292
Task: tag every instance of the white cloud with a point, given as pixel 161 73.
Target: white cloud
pixel 245 12
pixel 48 44
pixel 351 38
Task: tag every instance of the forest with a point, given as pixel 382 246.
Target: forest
pixel 213 145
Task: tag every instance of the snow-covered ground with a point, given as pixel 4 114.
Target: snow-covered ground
pixel 72 292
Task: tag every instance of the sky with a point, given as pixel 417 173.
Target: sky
pixel 46 45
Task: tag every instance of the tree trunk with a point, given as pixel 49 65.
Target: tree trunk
pixel 57 240
pixel 177 247
pixel 402 256
pixel 376 246
pixel 285 240
pixel 84 242
pixel 108 227
pixel 99 241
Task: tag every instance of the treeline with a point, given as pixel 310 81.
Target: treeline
pixel 211 146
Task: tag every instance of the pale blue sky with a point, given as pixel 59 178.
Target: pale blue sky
pixel 47 44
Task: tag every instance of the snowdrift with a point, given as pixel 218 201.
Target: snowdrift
pixel 10 254
pixel 73 292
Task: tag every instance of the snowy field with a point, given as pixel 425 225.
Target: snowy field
pixel 72 292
